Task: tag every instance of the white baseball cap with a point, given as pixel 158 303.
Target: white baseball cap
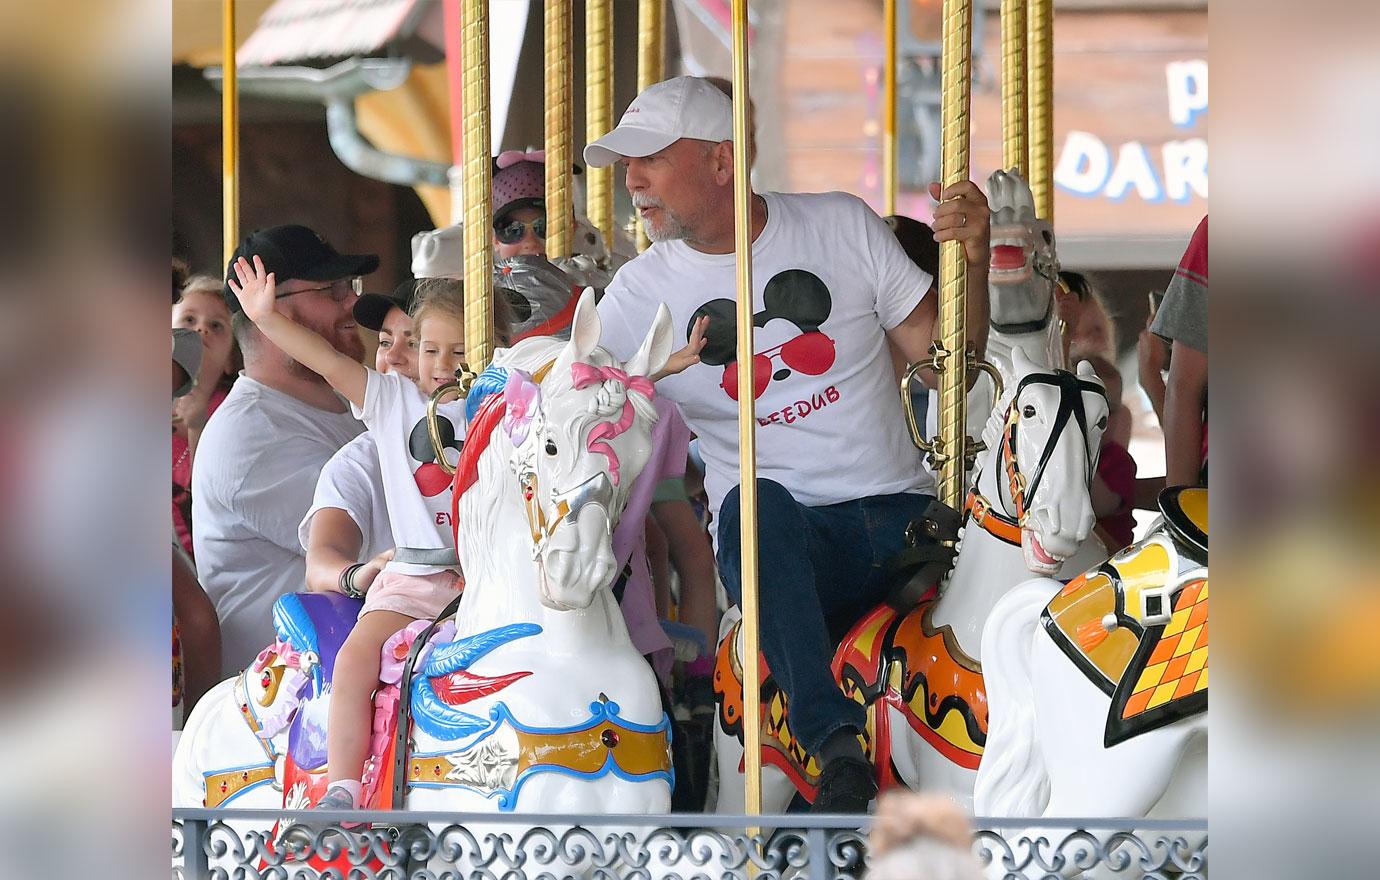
pixel 439 253
pixel 683 107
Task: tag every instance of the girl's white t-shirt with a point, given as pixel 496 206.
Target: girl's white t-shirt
pixel 351 482
pixel 417 489
pixel 829 279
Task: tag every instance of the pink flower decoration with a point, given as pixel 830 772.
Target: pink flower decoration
pixel 395 651
pixel 522 396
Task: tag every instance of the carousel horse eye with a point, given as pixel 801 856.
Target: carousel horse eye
pixel 1027 412
pixel 550 448
pixel 1102 424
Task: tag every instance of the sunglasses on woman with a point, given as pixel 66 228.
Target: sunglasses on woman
pixel 513 231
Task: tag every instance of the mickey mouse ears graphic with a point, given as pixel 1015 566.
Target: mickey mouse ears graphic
pixel 794 295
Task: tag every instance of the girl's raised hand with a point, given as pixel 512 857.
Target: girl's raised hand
pixel 256 290
pixel 690 354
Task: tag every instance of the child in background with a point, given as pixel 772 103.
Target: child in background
pixel 199 308
pixel 390 406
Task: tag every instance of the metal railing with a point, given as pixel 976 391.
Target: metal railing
pixel 435 845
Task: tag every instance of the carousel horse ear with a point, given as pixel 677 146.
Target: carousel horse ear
pixel 656 348
pixel 585 328
pixel 1022 363
pixel 1086 371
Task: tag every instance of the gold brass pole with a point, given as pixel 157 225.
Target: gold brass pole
pixel 479 255
pixel 651 64
pixel 230 134
pixel 889 111
pixel 1040 28
pixel 559 126
pixel 951 349
pixel 1015 118
pixel 747 417
pixel 599 110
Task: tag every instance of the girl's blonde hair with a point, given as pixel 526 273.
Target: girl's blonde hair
pixel 446 296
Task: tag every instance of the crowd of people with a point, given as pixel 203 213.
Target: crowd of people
pixel 297 467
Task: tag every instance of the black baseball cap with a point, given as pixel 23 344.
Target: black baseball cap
pixel 917 240
pixel 372 308
pixel 297 252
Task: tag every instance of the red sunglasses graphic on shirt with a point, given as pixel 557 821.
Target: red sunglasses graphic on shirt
pixel 810 353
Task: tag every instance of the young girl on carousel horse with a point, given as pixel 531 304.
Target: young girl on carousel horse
pixel 423 575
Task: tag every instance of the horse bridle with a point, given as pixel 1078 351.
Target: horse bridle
pixel 995 520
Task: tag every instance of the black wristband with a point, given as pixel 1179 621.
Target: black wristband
pixel 347 581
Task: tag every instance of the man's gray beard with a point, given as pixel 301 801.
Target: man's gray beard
pixel 669 230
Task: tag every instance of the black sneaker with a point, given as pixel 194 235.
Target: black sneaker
pixel 846 785
pixel 302 836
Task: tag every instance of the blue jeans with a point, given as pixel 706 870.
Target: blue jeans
pixel 820 569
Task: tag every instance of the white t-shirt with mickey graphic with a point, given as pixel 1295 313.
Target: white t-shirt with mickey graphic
pixel 417 490
pixel 829 279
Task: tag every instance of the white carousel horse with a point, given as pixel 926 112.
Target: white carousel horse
pixel 533 698
pixel 1098 689
pixel 1022 277
pixel 919 673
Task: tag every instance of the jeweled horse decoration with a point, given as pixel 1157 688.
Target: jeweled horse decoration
pixel 532 698
pixel 919 671
pixel 1098 688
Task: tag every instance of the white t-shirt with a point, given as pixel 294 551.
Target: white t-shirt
pixel 417 489
pixel 829 278
pixel 351 481
pixel 255 472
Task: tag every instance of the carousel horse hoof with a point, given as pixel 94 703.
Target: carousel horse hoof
pixel 846 785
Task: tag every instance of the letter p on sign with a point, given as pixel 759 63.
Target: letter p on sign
pixel 1188 90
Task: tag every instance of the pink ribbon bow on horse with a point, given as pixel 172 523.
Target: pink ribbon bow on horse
pixel 588 374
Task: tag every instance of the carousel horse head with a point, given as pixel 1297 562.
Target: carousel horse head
pixel 1046 441
pixel 1024 267
pixel 579 428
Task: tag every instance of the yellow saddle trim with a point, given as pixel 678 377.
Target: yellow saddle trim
pixel 635 752
pixel 222 786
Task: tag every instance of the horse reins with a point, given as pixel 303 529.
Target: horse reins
pixel 994 520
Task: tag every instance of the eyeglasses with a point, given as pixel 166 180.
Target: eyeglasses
pixel 513 231
pixel 809 353
pixel 339 290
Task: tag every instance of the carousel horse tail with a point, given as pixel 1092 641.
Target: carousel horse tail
pixel 1012 779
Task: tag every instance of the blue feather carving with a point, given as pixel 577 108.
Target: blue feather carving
pixel 460 653
pixel 437 718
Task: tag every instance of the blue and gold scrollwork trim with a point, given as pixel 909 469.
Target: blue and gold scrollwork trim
pixel 498 762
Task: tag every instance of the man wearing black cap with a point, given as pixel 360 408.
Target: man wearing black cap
pixel 261 453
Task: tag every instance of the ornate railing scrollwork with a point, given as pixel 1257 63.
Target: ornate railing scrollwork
pixel 447 846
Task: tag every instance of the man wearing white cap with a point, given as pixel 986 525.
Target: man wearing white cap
pixel 838 477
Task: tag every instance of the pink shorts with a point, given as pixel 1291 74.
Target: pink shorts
pixel 420 597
